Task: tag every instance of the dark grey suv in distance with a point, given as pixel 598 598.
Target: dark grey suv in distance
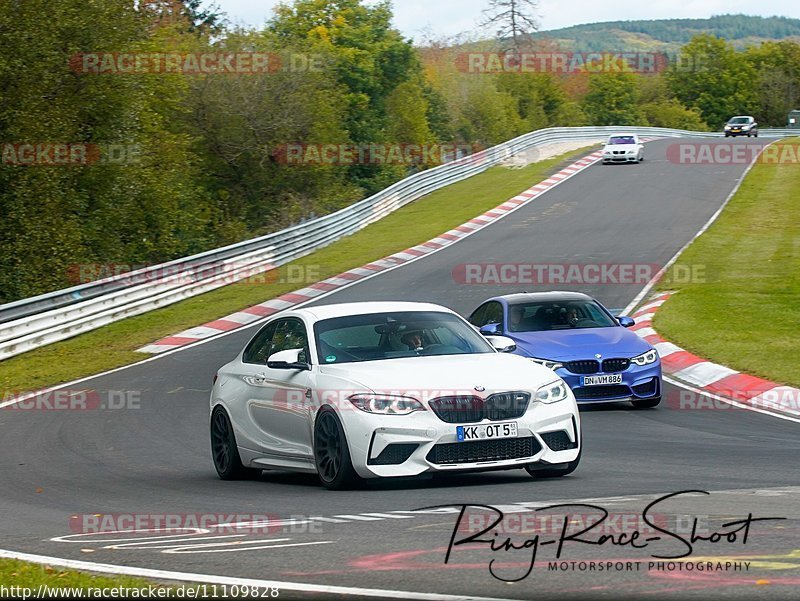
pixel 743 125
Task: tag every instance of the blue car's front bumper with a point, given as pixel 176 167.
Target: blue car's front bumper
pixel 638 383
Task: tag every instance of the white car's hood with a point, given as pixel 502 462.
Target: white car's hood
pixel 447 374
pixel 620 147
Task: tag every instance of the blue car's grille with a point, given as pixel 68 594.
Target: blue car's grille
pixel 601 392
pixel 470 409
pixel 612 365
pixel 588 366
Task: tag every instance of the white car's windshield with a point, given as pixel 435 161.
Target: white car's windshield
pixel 376 336
pixel 739 120
pixel 614 140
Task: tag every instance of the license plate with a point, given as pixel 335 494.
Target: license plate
pixel 736 131
pixel 487 431
pixel 600 380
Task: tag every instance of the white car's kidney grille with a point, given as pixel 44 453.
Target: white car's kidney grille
pixel 484 450
pixel 471 409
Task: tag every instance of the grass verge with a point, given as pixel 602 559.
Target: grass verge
pixel 739 304
pixel 115 345
pixel 31 576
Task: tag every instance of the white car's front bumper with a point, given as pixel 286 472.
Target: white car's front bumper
pixel 369 436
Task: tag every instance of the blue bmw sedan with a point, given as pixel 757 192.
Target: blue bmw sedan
pixel 578 338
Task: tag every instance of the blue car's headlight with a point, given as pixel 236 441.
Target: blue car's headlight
pixel 647 358
pixel 547 363
pixel 550 393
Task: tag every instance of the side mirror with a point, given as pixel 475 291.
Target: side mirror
pixel 289 359
pixel 502 344
pixel 490 329
pixel 626 322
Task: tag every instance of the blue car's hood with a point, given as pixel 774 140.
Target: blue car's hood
pixel 580 343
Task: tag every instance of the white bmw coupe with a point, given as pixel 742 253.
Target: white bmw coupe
pixel 364 390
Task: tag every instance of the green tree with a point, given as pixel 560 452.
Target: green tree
pixel 712 78
pixel 613 99
pixel 778 81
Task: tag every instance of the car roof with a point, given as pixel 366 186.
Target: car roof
pixel 742 117
pixel 320 312
pixel 553 295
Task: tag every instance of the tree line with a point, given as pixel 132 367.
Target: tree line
pixel 105 164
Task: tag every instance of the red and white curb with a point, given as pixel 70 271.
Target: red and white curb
pixel 291 299
pixel 706 376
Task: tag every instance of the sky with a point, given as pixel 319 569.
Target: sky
pixel 444 18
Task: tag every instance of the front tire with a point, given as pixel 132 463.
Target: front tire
pixel 331 453
pixel 646 403
pixel 224 451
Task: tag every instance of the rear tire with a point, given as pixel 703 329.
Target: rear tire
pixel 646 403
pixel 332 454
pixel 224 451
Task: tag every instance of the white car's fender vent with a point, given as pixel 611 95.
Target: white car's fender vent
pixel 484 450
pixel 559 441
pixel 394 454
pixel 472 409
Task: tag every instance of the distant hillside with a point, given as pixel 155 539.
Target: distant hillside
pixel 670 34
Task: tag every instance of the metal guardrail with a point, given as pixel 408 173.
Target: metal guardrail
pixel 33 322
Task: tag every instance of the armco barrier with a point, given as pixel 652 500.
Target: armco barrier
pixel 30 323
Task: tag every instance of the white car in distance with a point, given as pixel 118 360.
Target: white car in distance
pixel 623 148
pixel 380 389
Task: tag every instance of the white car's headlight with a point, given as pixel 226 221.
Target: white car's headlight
pixel 547 363
pixel 727 127
pixel 551 393
pixel 647 358
pixel 386 404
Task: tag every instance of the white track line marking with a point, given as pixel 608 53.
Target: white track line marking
pixel 166 575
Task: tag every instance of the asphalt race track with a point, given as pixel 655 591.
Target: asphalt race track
pixel 155 459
